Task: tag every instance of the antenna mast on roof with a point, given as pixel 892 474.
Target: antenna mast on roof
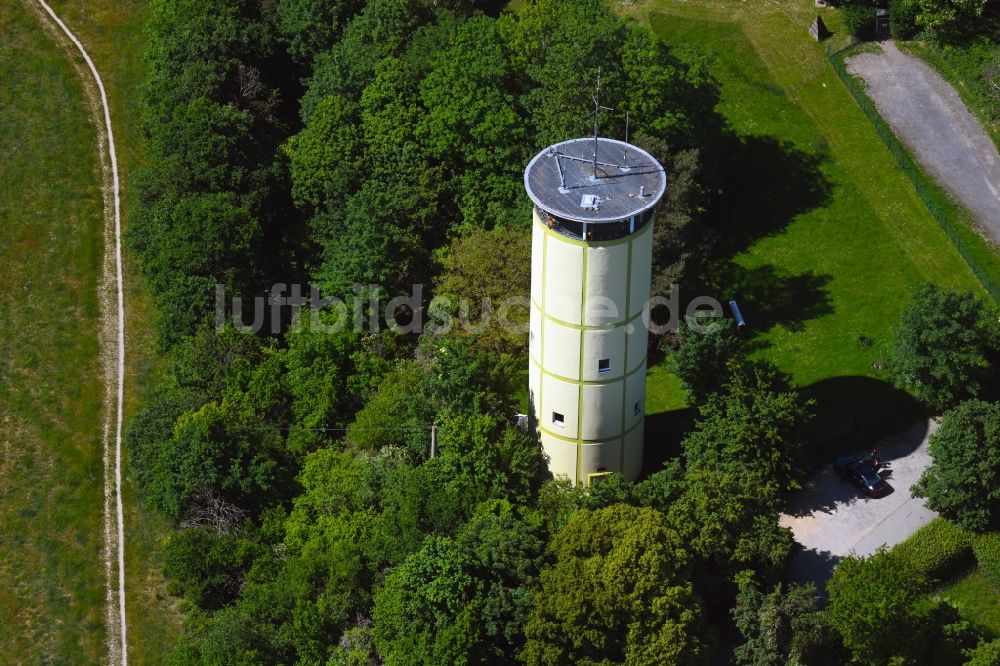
pixel 597 116
pixel 625 154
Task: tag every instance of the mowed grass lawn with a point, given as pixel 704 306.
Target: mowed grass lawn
pixel 51 580
pixel 977 598
pixel 51 575
pixel 834 235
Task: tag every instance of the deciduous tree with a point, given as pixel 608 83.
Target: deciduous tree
pixel 785 628
pixel 617 594
pixel 701 362
pixel 940 349
pixel 464 599
pixel 490 266
pixel 963 482
pixel 756 422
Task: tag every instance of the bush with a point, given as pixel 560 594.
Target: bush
pixel 939 550
pixel 987 550
pixel 902 19
pixel 971 63
pixel 206 567
pixel 987 654
pixel 871 604
pixel 858 21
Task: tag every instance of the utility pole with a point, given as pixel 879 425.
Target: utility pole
pixel 434 439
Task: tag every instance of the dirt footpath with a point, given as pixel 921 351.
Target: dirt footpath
pixel 929 117
pixel 831 518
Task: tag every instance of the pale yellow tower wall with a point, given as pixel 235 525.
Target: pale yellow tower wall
pixel 587 300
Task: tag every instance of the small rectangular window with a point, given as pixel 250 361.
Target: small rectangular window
pixel 637 409
pixel 604 365
pixel 558 419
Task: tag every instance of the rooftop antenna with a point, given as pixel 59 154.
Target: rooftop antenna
pixel 597 116
pixel 625 155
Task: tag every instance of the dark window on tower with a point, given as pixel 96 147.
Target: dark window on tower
pixel 637 409
pixel 604 365
pixel 558 419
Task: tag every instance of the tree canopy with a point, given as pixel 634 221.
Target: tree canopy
pixel 941 347
pixel 963 482
pixel 755 423
pixel 701 359
pixel 616 594
pixel 372 150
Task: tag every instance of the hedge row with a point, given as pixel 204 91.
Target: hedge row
pixel 987 550
pixel 939 550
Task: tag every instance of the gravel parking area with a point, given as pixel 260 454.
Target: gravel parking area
pixel 831 518
pixel 929 117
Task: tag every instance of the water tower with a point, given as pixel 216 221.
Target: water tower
pixel 591 255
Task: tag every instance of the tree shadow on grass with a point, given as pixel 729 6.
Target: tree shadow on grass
pixel 855 412
pixel 768 298
pixel 766 184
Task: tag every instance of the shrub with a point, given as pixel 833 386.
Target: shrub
pixel 902 19
pixel 206 567
pixel 987 654
pixel 972 63
pixel 859 21
pixel 871 604
pixel 938 550
pixel 987 550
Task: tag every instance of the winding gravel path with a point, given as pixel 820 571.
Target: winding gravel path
pixel 112 350
pixel 929 117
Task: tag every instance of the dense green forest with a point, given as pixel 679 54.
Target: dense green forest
pixel 339 143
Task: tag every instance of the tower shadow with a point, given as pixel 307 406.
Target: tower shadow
pixel 769 298
pixel 854 412
pixel 765 184
pixel 663 435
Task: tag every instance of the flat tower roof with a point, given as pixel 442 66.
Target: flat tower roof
pixel 560 179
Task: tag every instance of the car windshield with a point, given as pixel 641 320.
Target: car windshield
pixel 868 473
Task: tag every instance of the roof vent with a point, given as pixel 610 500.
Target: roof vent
pixel 590 202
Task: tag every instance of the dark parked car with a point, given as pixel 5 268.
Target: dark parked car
pixel 862 474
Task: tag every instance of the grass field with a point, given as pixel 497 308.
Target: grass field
pixel 977 598
pixel 51 579
pixel 830 236
pixel 51 576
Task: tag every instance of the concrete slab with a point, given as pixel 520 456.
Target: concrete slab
pixel 831 518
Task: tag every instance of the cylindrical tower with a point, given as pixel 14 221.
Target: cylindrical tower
pixel 591 255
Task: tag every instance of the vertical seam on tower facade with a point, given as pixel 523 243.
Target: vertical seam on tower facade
pixel 625 377
pixel 583 338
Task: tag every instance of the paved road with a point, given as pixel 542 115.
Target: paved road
pixel 831 518
pixel 929 117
